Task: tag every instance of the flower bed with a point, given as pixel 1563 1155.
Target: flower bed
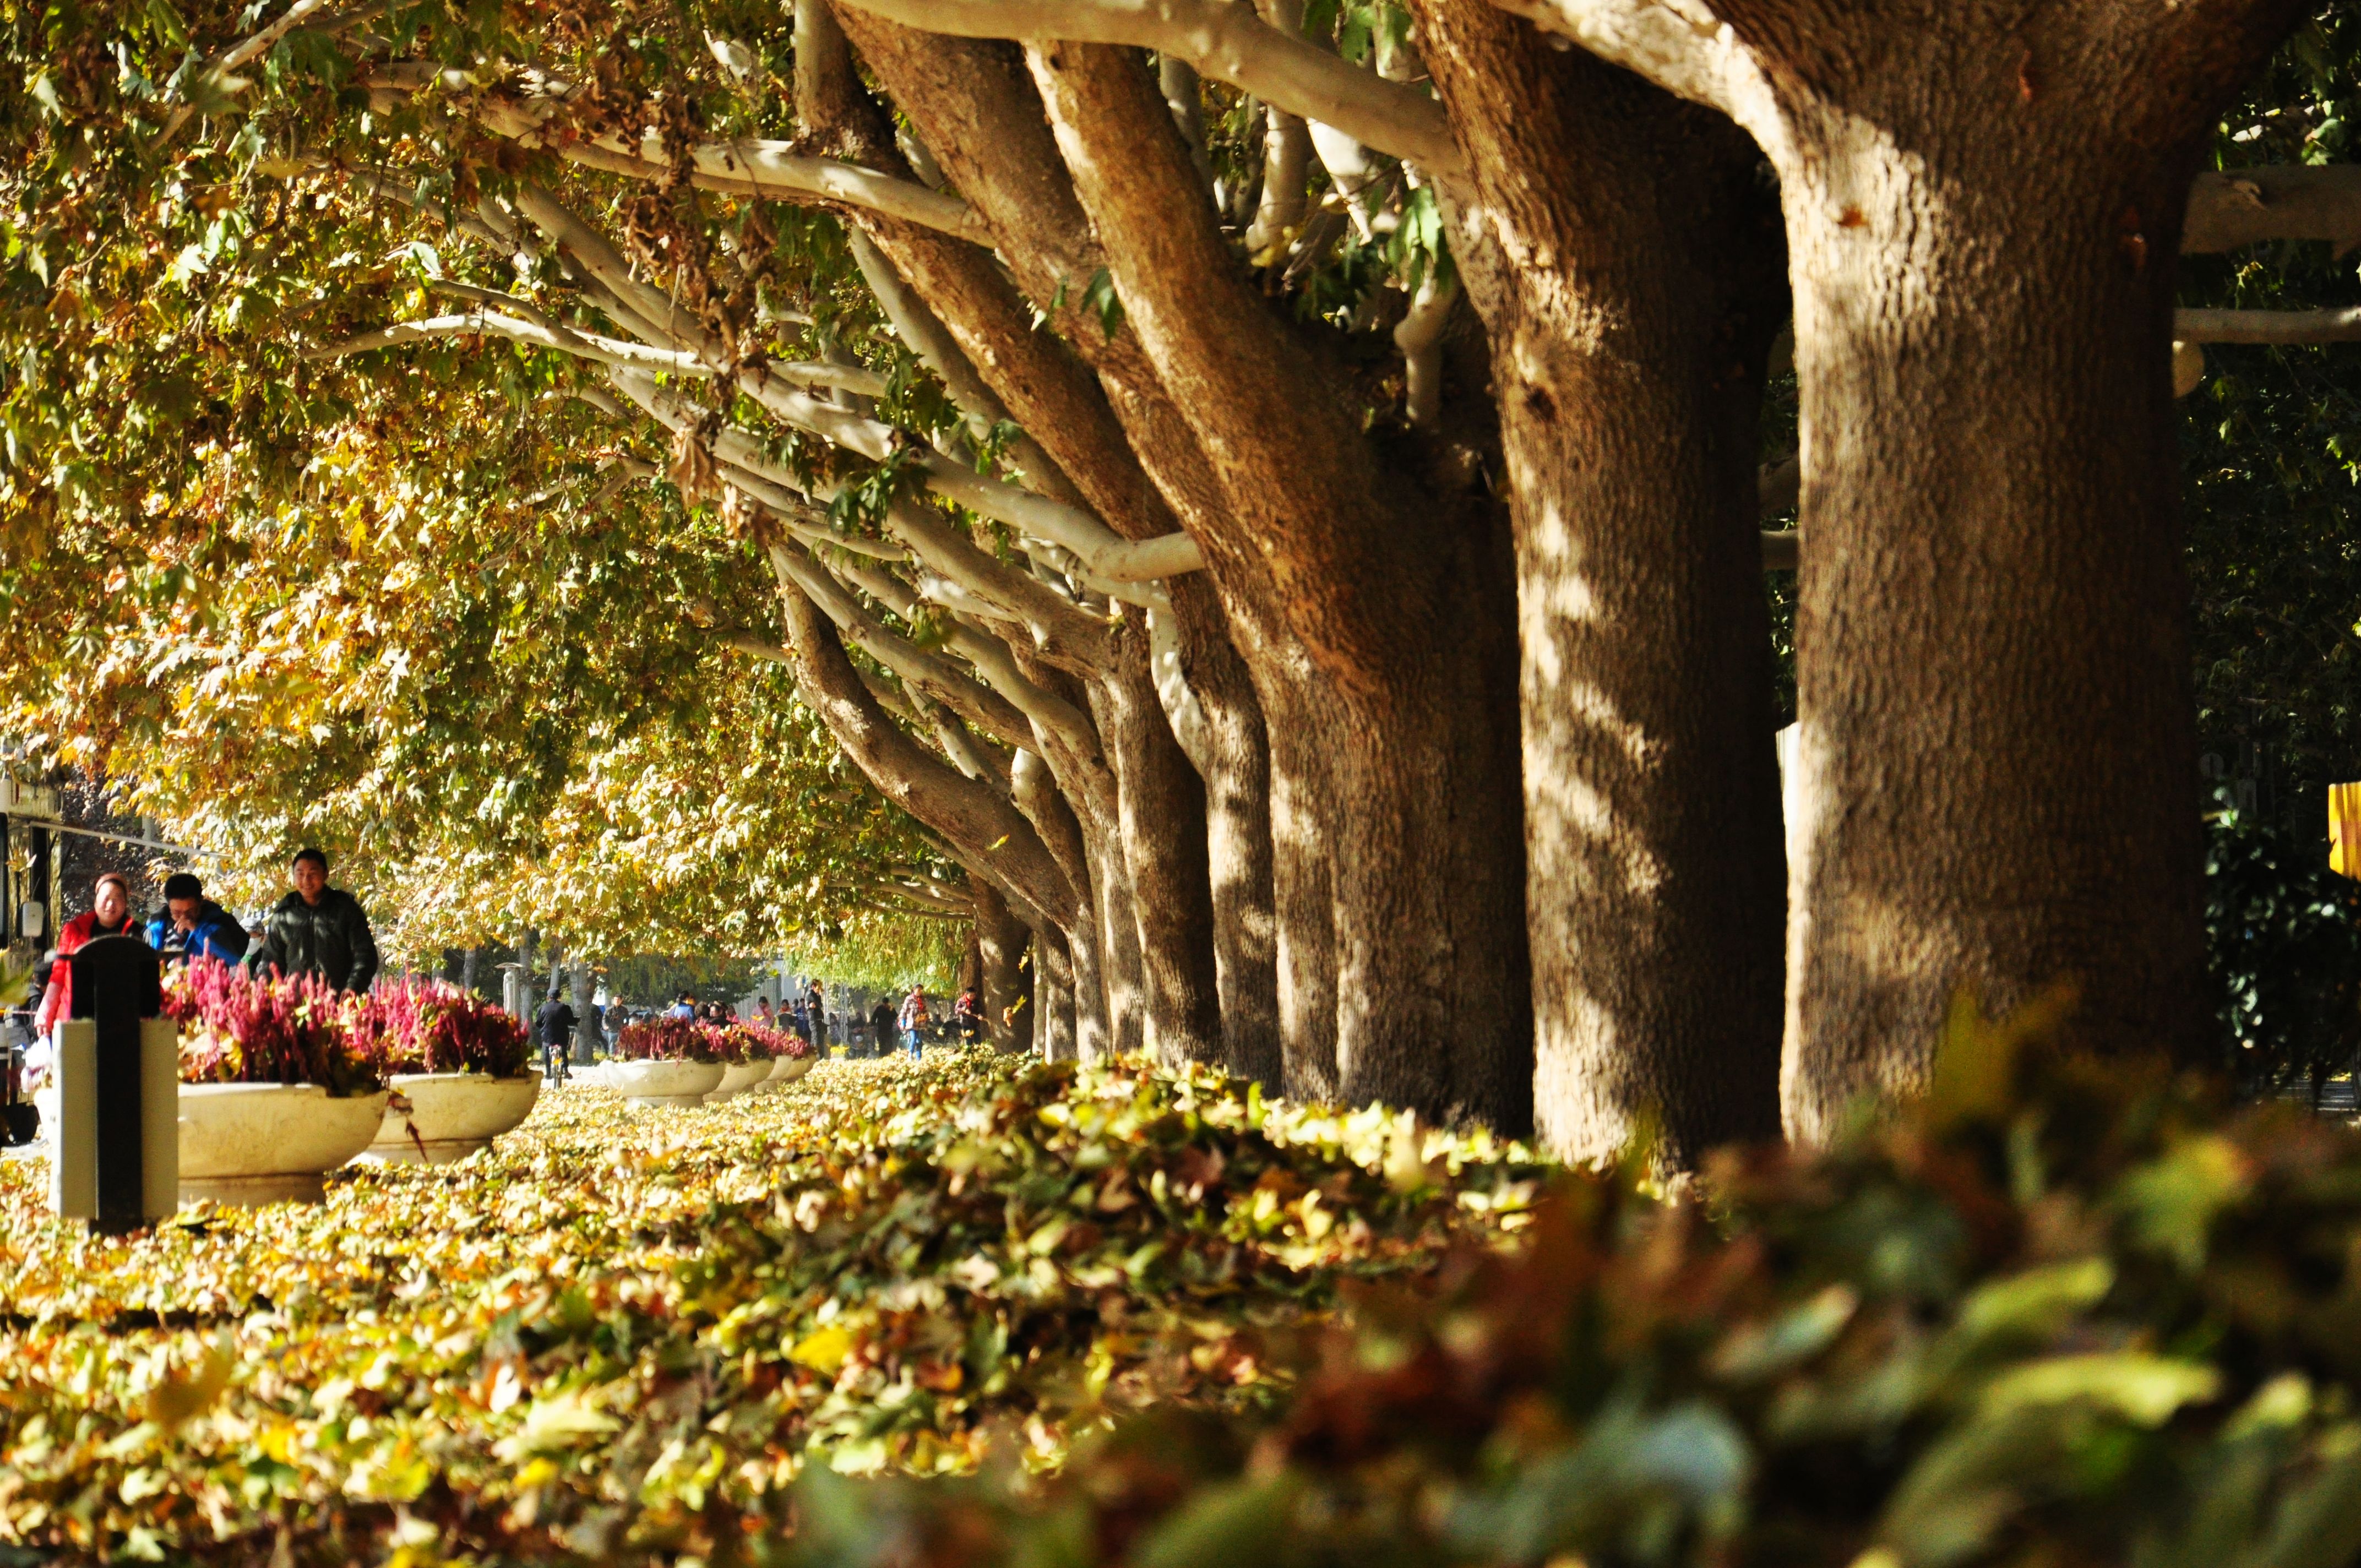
pixel 666 1038
pixel 236 1027
pixel 760 1042
pixel 430 1026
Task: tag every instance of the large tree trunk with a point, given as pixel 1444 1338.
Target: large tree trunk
pixel 1998 747
pixel 1628 380
pixel 1235 763
pixel 1162 806
pixel 1119 957
pixel 1399 596
pixel 1297 500
pixel 1304 901
pixel 1005 979
pixel 1046 807
pixel 1054 986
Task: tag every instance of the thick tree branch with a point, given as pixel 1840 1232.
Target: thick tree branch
pixel 976 759
pixel 1225 40
pixel 1068 527
pixel 1120 438
pixel 1301 499
pixel 2268 326
pixel 979 705
pixel 991 659
pixel 490 323
pixel 771 170
pixel 973 816
pixel 1035 790
pixel 2241 206
pixel 1419 335
pixel 593 346
pixel 1182 708
pixel 1680 45
pixel 1058 628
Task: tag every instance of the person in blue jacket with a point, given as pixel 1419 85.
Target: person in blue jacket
pixel 193 926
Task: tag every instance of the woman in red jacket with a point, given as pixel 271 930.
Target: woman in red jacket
pixel 110 915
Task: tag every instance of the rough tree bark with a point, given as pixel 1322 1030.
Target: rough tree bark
pixel 1164 840
pixel 1132 454
pixel 1005 980
pixel 1053 995
pixel 1119 956
pixel 1068 796
pixel 1399 594
pixel 2001 764
pixel 1983 203
pixel 1634 286
pixel 1038 797
pixel 1236 772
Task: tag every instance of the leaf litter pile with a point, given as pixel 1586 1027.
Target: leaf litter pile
pixel 617 1327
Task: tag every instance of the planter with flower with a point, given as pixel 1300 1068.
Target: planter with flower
pixel 791 1055
pixel 460 1069
pixel 273 1092
pixel 745 1051
pixel 667 1061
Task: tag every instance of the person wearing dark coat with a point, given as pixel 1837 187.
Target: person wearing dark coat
pixel 317 929
pixel 557 1022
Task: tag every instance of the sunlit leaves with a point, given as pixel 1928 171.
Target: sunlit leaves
pixel 653 1314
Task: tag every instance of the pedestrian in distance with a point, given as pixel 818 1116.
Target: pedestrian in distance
pixel 195 926
pixel 881 1027
pixel 684 1008
pixel 762 1013
pixel 555 1022
pixel 317 929
pixel 967 1016
pixel 914 1022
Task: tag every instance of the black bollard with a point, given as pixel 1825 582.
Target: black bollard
pixel 118 985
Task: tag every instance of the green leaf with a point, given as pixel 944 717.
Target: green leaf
pixel 1101 300
pixel 2142 1389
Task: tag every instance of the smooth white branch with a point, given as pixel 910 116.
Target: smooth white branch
pixel 770 170
pixel 2239 206
pixel 2289 327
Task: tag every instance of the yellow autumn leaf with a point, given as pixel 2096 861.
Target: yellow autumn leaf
pixel 823 1350
pixel 177 1400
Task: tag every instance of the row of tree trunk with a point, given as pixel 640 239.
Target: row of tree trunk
pixel 1474 806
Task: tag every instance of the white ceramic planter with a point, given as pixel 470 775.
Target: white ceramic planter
pixel 789 1069
pixel 651 1083
pixel 737 1078
pixel 269 1143
pixel 452 1114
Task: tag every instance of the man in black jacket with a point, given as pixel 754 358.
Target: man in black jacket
pixel 557 1023
pixel 317 929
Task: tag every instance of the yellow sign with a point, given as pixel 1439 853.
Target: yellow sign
pixel 2345 830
